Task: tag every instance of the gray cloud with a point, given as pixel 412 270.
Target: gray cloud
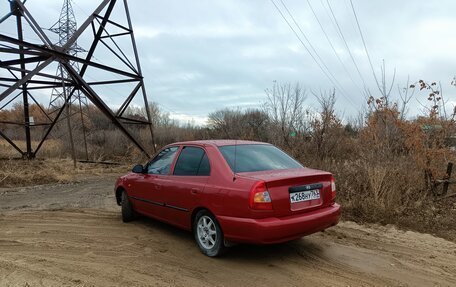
pixel 199 56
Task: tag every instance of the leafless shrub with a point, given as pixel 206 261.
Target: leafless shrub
pixel 326 129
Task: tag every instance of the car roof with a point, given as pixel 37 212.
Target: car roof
pixel 218 143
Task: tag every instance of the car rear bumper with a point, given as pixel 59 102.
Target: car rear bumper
pixel 276 230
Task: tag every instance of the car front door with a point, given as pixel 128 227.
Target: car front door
pixel 147 197
pixel 182 190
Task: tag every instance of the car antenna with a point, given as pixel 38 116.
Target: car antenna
pixel 234 164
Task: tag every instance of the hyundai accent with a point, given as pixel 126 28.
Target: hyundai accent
pixel 229 191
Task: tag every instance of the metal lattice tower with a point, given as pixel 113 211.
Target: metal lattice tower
pixel 65 27
pixel 23 62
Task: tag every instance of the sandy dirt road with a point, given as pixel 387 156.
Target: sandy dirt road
pixel 72 235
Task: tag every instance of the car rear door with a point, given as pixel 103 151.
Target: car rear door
pixel 183 189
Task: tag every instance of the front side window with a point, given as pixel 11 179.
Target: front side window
pixel 192 161
pixel 257 157
pixel 162 162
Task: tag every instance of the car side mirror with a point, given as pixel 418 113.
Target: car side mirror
pixel 138 168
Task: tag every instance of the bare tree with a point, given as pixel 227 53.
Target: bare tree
pixel 225 123
pixel 285 107
pixel 251 124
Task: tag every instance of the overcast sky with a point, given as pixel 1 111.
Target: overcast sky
pixel 199 56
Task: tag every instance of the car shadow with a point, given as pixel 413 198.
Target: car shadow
pixel 302 248
pixel 164 228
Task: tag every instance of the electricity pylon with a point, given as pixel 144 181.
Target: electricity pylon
pixel 65 28
pixel 25 61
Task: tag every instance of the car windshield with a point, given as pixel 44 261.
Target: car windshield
pixel 257 157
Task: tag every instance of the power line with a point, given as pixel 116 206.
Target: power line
pixel 310 53
pixel 341 34
pixel 332 47
pixel 365 46
pixel 312 47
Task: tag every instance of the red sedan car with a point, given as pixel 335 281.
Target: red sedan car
pixel 230 191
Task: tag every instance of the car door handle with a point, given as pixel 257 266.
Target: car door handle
pixel 195 190
pixel 157 186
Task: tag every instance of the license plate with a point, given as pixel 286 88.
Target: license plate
pixel 304 195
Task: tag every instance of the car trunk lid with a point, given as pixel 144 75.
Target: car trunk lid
pixel 295 191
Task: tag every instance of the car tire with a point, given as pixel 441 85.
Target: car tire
pixel 208 234
pixel 128 213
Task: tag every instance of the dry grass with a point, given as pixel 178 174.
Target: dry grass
pixel 50 149
pixel 58 167
pixel 391 191
pixel 36 172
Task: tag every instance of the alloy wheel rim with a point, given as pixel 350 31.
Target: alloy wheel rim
pixel 207 232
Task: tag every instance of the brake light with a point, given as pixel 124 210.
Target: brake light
pixel 259 197
pixel 333 189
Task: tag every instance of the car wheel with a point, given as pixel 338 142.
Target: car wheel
pixel 128 213
pixel 208 234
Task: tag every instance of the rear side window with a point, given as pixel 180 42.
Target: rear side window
pixel 192 161
pixel 257 157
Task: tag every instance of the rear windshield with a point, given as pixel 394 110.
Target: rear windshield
pixel 257 157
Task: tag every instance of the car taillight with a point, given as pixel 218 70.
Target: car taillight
pixel 259 197
pixel 333 189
